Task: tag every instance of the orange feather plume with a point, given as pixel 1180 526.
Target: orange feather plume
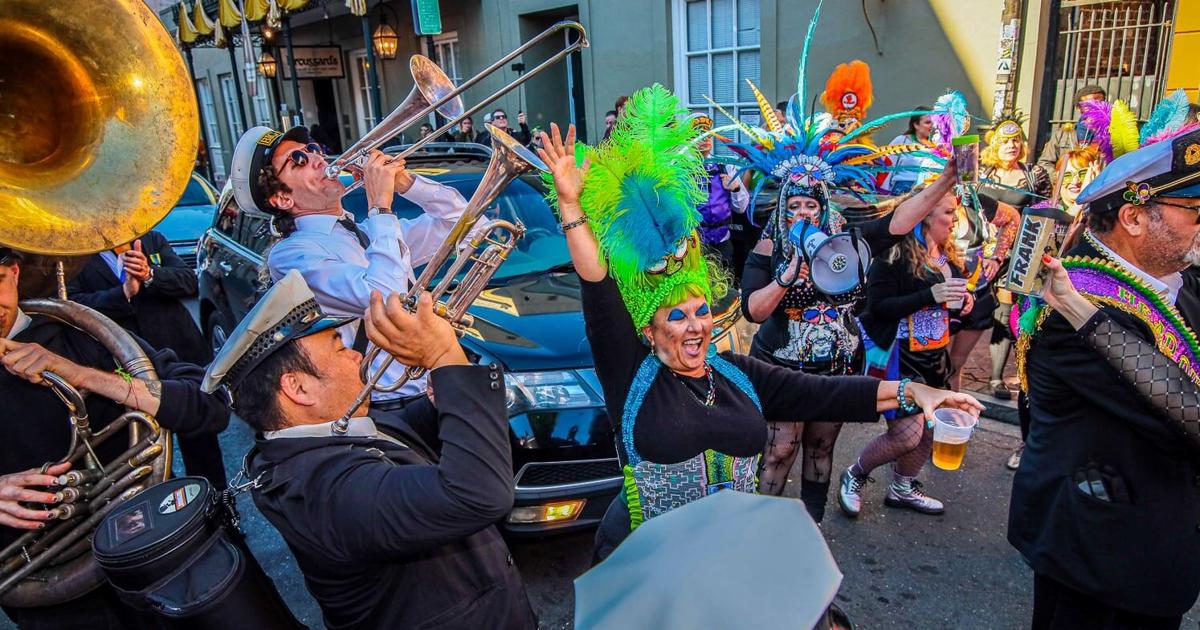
pixel 848 91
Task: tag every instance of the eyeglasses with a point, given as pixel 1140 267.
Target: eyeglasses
pixel 299 157
pixel 1195 209
pixel 1075 176
pixel 495 116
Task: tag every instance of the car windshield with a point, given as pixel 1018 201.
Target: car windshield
pixel 542 248
pixel 194 194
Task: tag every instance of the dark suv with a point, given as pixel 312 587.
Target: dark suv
pixel 528 320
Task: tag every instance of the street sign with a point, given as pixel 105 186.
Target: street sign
pixel 427 17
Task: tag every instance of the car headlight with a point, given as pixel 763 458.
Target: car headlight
pixel 555 389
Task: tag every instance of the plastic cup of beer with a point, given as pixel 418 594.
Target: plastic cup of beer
pixel 952 429
pixel 955 305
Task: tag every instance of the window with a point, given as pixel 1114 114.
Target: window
pixel 367 116
pixel 262 102
pixel 211 135
pixel 233 113
pixel 446 47
pixel 716 50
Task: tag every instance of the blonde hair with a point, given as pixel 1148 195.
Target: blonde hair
pixel 916 255
pixel 990 156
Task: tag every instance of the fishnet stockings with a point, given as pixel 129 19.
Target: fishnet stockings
pixel 784 442
pixel 907 442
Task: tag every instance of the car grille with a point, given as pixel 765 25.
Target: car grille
pixel 187 251
pixel 539 475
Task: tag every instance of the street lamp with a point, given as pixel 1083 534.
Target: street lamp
pixel 385 40
pixel 267 65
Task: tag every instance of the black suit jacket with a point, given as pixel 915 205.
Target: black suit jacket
pixel 156 313
pixel 1143 556
pixel 392 536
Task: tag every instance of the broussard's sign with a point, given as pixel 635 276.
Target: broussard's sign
pixel 314 62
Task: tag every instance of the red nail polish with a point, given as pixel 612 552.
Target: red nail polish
pixel 1046 258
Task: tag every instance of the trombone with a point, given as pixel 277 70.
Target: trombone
pixel 434 91
pixel 484 245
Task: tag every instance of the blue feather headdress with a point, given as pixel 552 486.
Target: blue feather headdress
pixel 810 155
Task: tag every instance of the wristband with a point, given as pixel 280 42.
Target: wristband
pixel 576 223
pixel 906 407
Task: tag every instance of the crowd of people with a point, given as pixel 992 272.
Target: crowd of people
pixel 390 507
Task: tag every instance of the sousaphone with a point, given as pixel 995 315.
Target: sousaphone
pixel 98 136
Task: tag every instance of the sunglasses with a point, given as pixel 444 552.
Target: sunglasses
pixel 495 116
pixel 299 157
pixel 1075 176
pixel 1195 209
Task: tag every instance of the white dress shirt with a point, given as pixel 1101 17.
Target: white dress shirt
pixel 1167 287
pixel 361 426
pixel 342 274
pixel 115 264
pixel 21 323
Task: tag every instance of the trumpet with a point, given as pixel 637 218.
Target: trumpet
pixel 434 91
pixel 484 245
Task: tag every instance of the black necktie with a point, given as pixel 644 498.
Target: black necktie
pixel 348 222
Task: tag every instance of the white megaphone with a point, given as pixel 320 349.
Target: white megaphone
pixel 836 264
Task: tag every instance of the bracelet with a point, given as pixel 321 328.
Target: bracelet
pixel 576 223
pixel 906 407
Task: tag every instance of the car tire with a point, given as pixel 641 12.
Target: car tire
pixel 217 330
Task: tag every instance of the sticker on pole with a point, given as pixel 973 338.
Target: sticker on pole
pixel 179 499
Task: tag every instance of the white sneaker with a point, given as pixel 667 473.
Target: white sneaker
pixel 849 492
pixel 913 499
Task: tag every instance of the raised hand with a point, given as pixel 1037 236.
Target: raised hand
pixel 1061 295
pixel 135 262
pixel 559 154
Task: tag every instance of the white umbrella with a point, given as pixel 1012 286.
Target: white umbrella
pixel 729 560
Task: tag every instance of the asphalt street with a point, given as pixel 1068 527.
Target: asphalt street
pixel 902 570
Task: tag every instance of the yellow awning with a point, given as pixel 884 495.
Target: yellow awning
pixel 357 7
pixel 257 9
pixel 219 39
pixel 186 32
pixel 293 5
pixel 200 20
pixel 228 14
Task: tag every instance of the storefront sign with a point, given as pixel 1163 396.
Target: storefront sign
pixel 314 62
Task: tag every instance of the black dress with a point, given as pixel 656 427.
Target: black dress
pixel 805 331
pixel 893 295
pixel 673 425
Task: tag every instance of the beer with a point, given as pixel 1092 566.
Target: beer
pixel 948 456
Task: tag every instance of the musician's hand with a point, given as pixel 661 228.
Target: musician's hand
pixel 1059 292
pixel 559 154
pixel 380 176
pixel 29 360
pixel 422 339
pixel 404 178
pixel 17 488
pixel 135 262
pixel 520 118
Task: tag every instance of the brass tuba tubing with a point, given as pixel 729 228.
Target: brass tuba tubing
pixel 579 44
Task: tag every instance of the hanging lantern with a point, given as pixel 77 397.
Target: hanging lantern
pixel 267 65
pixel 385 40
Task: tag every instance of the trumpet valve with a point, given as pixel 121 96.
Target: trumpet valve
pixel 464 322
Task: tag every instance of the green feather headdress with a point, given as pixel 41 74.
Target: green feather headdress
pixel 640 196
